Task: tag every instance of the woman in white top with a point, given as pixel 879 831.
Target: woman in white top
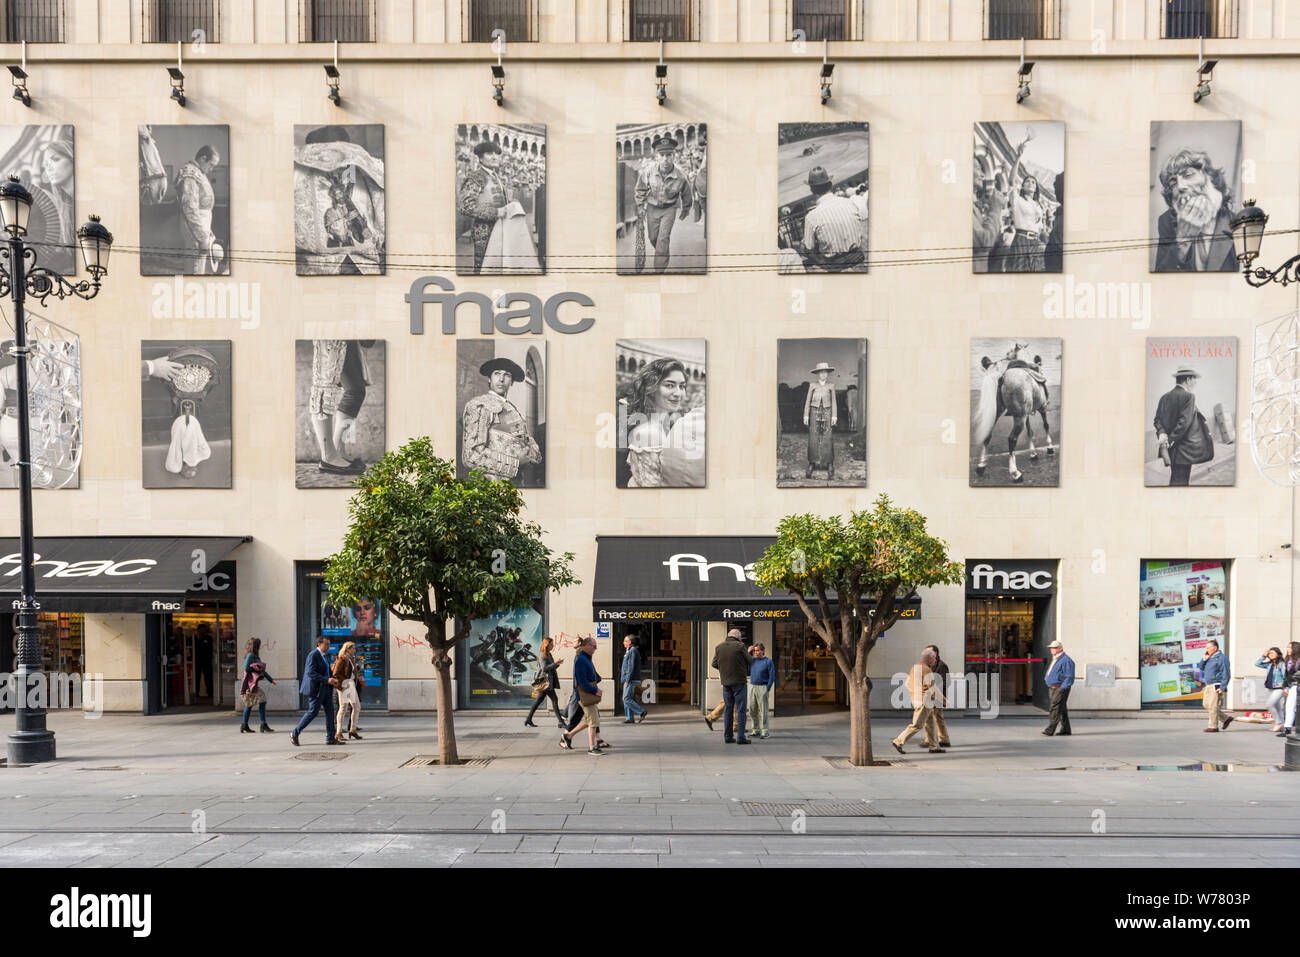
pixel 1030 222
pixel 655 401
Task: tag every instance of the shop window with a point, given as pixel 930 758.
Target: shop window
pixel 362 622
pixel 496 664
pixel 1182 605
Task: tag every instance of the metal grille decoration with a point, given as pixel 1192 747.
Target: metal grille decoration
pixel 54 400
pixel 1275 400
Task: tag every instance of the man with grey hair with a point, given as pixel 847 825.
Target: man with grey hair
pixel 920 683
pixel 733 663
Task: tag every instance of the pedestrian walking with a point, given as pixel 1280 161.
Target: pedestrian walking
pixel 586 686
pixel 1218 673
pixel 249 690
pixel 546 684
pixel 1274 666
pixel 1060 679
pixel 630 675
pixel 716 713
pixel 345 672
pixel 920 684
pixel 762 678
pixel 316 685
pixel 1291 680
pixel 936 732
pixel 733 663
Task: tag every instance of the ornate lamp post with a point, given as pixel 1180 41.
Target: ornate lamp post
pixel 20 277
pixel 1247 234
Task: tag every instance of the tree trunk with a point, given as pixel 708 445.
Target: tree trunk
pixel 447 754
pixel 859 723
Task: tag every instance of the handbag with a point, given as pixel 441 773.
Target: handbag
pixel 541 686
pixel 587 699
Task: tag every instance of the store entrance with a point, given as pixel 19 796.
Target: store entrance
pixel 668 657
pixel 198 656
pixel 807 677
pixel 1006 638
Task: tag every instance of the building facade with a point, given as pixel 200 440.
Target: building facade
pixel 299 259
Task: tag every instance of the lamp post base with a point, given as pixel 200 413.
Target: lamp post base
pixel 31 742
pixel 1291 753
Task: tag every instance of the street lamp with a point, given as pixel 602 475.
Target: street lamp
pixel 20 277
pixel 1247 234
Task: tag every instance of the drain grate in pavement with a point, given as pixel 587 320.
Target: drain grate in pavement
pixel 320 756
pixel 112 767
pixel 431 761
pixel 498 736
pixel 845 809
pixel 842 763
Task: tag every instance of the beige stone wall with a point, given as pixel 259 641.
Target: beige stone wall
pixel 918 319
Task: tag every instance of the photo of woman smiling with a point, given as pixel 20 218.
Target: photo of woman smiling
pixel 661 410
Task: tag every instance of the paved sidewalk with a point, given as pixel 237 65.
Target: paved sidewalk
pixel 188 790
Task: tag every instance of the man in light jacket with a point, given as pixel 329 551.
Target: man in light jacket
pixel 1060 679
pixel 936 732
pixel 920 683
pixel 630 675
pixel 733 663
pixel 1217 675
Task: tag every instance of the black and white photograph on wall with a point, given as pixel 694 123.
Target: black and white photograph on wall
pixel 1015 412
pixel 501 409
pixel 1019 192
pixel 1191 411
pixel 42 159
pixel 821 401
pixel 660 416
pixel 184 200
pixel 339 404
pixel 185 413
pixel 662 192
pixel 55 436
pixel 338 199
pixel 500 199
pixel 1195 192
pixel 821 190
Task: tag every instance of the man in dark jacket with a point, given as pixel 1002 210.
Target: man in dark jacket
pixel 1180 429
pixel 936 732
pixel 733 663
pixel 316 686
pixel 630 676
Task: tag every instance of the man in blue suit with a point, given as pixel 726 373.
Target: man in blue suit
pixel 316 686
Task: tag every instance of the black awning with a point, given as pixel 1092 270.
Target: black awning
pixel 108 573
pixel 693 578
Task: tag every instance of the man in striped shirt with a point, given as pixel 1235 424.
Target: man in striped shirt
pixel 832 230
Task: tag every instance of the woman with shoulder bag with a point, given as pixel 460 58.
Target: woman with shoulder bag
pixel 254 672
pixel 343 678
pixel 1291 682
pixel 546 683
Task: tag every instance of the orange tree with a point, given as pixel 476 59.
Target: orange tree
pixel 836 570
pixel 438 550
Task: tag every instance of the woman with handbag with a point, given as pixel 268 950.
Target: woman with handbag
pixel 254 672
pixel 344 673
pixel 546 683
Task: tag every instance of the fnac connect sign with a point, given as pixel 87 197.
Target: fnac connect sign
pixel 527 317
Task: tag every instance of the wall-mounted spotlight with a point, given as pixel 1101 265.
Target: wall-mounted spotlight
pixel 19 76
pixel 332 80
pixel 1023 75
pixel 1204 74
pixel 661 77
pixel 827 69
pixel 499 83
pixel 178 84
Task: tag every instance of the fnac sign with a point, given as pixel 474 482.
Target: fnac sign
pixel 529 315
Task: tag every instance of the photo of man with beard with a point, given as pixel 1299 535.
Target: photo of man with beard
pixel 1196 170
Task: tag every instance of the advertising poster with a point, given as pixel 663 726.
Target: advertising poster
pixel 1182 605
pixel 1191 411
pixel 361 622
pixel 500 659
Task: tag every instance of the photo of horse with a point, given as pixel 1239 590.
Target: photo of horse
pixel 1015 404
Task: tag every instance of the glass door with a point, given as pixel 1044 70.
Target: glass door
pixel 999 644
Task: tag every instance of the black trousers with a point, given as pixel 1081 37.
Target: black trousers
pixel 1060 714
pixel 1180 474
pixel 555 705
